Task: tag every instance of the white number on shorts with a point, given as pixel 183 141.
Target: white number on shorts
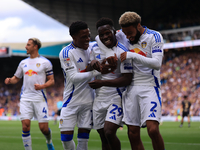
pixel 116 108
pixel 153 108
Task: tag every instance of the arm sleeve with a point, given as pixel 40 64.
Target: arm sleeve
pixel 153 63
pixel 19 71
pixel 71 72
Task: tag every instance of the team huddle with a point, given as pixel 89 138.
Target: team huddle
pixel 108 83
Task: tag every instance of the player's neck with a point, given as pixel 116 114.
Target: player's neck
pixel 34 55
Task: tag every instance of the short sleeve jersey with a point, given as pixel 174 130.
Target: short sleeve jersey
pixel 33 71
pixel 149 45
pixel 124 67
pixel 75 60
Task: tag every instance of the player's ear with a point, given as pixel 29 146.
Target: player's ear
pixel 139 26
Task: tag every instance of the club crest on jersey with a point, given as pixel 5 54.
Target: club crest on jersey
pixel 61 121
pixel 144 44
pixel 68 62
pixel 38 64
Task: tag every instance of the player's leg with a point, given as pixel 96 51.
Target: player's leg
pixel 188 119
pixel 134 137
pixel 83 137
pixel 67 140
pixel 26 110
pixel 41 113
pixel 110 130
pixel 154 134
pixel 68 120
pixel 26 136
pixel 84 124
pixel 182 119
pixel 104 141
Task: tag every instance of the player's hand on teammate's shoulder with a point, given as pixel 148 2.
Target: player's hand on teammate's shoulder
pixel 123 56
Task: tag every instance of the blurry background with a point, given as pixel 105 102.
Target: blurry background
pixel 177 20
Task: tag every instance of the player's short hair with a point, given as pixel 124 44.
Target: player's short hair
pixel 185 96
pixel 104 21
pixel 75 27
pixel 129 18
pixel 36 41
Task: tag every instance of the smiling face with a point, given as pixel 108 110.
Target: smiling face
pixel 132 34
pixel 82 39
pixel 107 35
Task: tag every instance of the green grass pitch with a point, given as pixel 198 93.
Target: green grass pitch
pixel 175 138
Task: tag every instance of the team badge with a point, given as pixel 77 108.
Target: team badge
pixel 38 64
pixel 61 121
pixel 144 44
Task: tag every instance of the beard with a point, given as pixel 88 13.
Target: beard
pixel 137 37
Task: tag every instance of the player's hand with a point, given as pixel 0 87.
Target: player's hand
pixel 95 84
pixel 123 56
pixel 112 60
pixel 95 64
pixel 107 68
pixel 38 86
pixel 7 81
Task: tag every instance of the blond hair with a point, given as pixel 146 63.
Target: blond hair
pixel 129 18
pixel 36 41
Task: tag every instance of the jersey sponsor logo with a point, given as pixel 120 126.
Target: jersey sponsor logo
pixel 98 56
pixel 156 49
pixel 144 44
pixel 69 68
pixel 80 60
pixel 137 50
pixel 30 72
pixel 112 117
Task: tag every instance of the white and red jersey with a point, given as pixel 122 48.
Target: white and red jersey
pixel 122 67
pixel 149 45
pixel 75 60
pixel 33 71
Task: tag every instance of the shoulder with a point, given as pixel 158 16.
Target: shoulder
pixel 64 53
pixel 121 46
pixel 45 60
pixel 155 35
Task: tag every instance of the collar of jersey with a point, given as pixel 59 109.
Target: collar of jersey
pixel 73 45
pixel 145 29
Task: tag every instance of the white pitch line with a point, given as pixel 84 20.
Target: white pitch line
pixel 92 140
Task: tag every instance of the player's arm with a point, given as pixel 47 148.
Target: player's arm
pixel 12 80
pixel 124 80
pixel 71 72
pixel 50 82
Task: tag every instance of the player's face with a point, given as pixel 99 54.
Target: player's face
pixel 107 35
pixel 82 39
pixel 30 47
pixel 132 34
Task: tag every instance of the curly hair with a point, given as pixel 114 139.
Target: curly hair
pixel 129 18
pixel 75 27
pixel 36 41
pixel 104 21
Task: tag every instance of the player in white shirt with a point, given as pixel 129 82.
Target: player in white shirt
pixel 142 102
pixel 33 100
pixel 77 96
pixel 107 107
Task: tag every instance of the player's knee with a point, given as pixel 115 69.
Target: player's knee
pixel 109 133
pixel 44 130
pixel 153 131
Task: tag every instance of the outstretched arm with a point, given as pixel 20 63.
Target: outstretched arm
pixel 12 80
